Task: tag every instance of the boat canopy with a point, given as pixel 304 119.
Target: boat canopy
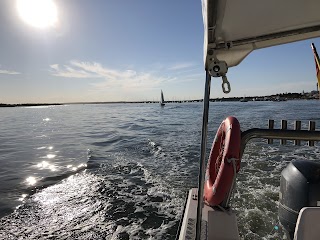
pixel 234 28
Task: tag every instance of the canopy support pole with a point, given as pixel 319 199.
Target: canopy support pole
pixel 203 153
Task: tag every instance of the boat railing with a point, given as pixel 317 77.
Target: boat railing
pixel 297 135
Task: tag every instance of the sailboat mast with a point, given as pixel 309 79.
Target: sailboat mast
pixel 317 61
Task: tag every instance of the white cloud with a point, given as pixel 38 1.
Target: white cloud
pixel 8 72
pixel 179 66
pixel 69 72
pixel 112 78
pixel 55 66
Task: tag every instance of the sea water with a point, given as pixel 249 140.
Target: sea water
pixel 122 171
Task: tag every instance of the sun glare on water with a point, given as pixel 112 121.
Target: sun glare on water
pixel 38 13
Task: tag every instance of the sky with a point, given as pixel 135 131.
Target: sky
pixel 125 50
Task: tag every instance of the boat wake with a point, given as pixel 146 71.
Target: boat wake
pixel 120 199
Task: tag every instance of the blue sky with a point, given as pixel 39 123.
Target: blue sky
pixel 128 50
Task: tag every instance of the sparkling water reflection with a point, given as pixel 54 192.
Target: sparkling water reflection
pixel 31 181
pixel 132 182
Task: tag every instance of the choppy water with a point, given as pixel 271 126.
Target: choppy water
pixel 121 171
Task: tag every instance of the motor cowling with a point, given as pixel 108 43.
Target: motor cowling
pixel 299 187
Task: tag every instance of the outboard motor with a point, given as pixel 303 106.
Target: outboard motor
pixel 299 187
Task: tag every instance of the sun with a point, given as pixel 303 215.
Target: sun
pixel 38 13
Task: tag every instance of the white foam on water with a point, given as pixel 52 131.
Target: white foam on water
pixel 257 189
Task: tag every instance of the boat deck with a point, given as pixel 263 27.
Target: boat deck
pixel 216 224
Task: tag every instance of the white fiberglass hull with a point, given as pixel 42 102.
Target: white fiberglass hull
pixel 216 224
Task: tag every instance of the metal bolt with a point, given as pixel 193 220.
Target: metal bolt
pixel 216 68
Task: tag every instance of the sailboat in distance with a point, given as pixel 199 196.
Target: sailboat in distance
pixel 162 100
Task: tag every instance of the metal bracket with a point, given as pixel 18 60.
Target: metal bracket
pixel 216 67
pixel 219 68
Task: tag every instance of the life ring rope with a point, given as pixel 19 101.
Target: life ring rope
pixel 218 163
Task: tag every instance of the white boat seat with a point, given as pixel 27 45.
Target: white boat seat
pixel 308 224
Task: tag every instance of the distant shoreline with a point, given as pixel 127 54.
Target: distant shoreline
pixel 275 98
pixel 29 104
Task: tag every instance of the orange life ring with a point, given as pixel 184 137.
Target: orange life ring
pixel 220 169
